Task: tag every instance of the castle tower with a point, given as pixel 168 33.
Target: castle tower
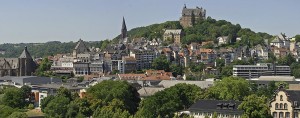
pixel 26 64
pixel 123 38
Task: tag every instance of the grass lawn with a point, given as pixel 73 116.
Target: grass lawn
pixel 34 113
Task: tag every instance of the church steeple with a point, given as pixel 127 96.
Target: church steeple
pixel 123 30
pixel 25 54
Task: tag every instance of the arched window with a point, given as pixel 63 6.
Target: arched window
pixel 276 105
pixel 274 114
pixel 281 105
pixel 281 98
pixel 285 106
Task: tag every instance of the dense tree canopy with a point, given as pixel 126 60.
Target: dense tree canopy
pixel 176 69
pixel 45 102
pixel 197 67
pixel 57 107
pixel 114 109
pixel 161 63
pixel 44 66
pixel 165 103
pixel 109 90
pixel 297 38
pixel 255 107
pixel 295 68
pixel 230 88
pixel 18 115
pixel 287 60
pixel 14 98
pixel 153 31
pixel 47 49
pixel 79 107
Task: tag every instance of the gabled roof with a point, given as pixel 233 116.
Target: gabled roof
pixel 294 95
pixel 25 54
pixel 148 91
pixel 219 106
pixel 80 43
pixel 282 36
pixel 201 84
pixel 277 40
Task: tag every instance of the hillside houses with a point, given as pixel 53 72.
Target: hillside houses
pixel 134 55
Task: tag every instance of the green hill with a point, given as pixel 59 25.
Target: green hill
pixel 42 49
pixel 151 31
pixel 205 30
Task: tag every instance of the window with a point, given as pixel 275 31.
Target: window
pixel 285 106
pixel 281 99
pixel 280 105
pixel 274 114
pixel 296 115
pixel 280 114
pixel 287 114
pixel 276 105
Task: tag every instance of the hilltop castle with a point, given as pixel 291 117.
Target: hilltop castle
pixel 190 16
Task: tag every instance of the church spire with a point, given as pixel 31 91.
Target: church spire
pixel 123 30
pixel 25 54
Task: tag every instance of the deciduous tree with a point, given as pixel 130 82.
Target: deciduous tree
pixel 18 115
pixel 14 98
pixel 161 63
pixel 57 107
pixel 230 88
pixel 46 101
pixel 165 103
pixel 255 107
pixel 121 90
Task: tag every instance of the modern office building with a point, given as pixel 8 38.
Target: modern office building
pixel 261 69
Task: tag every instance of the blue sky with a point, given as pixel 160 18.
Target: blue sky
pixel 92 20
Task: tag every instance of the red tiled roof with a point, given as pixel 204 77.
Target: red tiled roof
pixel 150 75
